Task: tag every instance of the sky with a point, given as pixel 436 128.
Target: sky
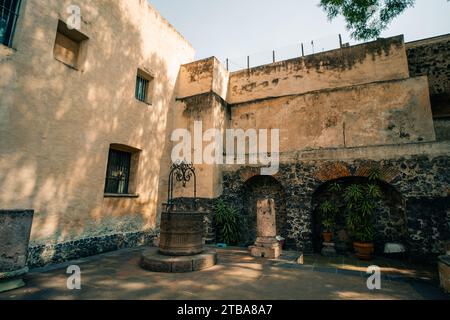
pixel 236 28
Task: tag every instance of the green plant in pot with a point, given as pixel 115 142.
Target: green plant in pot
pixel 227 223
pixel 361 201
pixel 328 211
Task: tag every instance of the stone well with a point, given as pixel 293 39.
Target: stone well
pixel 181 239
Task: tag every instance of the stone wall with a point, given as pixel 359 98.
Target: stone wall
pixel 257 188
pixel 381 60
pixel 45 254
pixel 204 205
pixel 379 113
pixel 431 57
pixel 442 128
pixel 413 177
pixel 428 223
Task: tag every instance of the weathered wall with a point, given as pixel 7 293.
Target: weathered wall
pixel 57 123
pixel 390 220
pixel 389 112
pixel 431 57
pixel 380 60
pixel 416 176
pixel 203 76
pixel 200 98
pixel 210 110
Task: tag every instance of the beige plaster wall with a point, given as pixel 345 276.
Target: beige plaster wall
pixel 210 111
pixel 57 123
pixel 391 112
pixel 203 76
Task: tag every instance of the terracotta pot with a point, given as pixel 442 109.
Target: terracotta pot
pixel 364 250
pixel 327 236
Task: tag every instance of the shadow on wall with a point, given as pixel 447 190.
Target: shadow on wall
pixel 62 122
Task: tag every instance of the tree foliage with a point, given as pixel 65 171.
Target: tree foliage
pixel 366 19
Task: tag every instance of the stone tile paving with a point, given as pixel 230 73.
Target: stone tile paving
pixel 237 276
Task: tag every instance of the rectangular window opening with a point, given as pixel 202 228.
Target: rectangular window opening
pixel 118 172
pixel 69 45
pixel 144 87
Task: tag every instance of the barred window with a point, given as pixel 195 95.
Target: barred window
pixel 118 172
pixel 144 86
pixel 9 12
pixel 141 88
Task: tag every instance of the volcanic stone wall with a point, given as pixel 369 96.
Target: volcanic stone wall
pixel 422 181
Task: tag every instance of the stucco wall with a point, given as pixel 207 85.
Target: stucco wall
pixel 375 114
pixel 57 123
pixel 380 60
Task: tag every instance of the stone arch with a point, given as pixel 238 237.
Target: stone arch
pixel 260 187
pixel 391 223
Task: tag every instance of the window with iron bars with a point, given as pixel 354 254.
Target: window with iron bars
pixel 142 89
pixel 9 12
pixel 118 172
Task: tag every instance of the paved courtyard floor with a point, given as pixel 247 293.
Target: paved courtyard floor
pixel 237 276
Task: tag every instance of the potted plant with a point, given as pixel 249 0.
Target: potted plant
pixel 328 211
pixel 227 223
pixel 361 200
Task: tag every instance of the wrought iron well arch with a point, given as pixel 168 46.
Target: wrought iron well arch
pixel 183 172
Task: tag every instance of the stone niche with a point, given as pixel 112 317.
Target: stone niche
pixel 263 187
pixel 391 225
pixel 266 245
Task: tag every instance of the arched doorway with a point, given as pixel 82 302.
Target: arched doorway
pixel 390 216
pixel 261 187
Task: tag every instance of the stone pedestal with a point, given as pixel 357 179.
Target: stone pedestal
pixel 153 260
pixel 329 249
pixel 266 245
pixel 15 229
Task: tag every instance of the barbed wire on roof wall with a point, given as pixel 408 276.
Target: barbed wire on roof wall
pixel 306 48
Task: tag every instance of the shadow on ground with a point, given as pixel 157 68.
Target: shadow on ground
pixel 237 276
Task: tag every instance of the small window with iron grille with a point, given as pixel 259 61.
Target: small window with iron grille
pixel 9 12
pixel 118 172
pixel 144 87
